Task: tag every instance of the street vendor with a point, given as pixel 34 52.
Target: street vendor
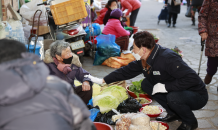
pixel 63 68
pixel 168 80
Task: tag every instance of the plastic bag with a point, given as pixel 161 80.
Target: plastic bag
pixel 117 62
pixel 26 30
pixel 17 31
pixel 105 118
pixel 97 31
pixel 5 29
pixel 106 48
pixel 28 10
pixel 129 105
pixel 90 102
pixel 94 112
pixel 188 13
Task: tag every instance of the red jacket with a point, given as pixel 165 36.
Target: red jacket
pixel 130 5
pixel 100 18
pixel 114 27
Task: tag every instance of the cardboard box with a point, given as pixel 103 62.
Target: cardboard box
pixel 42 30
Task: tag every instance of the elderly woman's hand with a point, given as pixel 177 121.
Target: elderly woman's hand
pixel 86 86
pixel 204 36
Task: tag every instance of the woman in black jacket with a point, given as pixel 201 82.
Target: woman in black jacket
pixel 173 11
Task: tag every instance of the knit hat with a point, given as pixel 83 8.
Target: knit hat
pixel 117 13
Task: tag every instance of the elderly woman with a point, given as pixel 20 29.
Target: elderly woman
pixel 208 29
pixel 62 67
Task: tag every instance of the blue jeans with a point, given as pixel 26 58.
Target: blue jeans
pixel 180 103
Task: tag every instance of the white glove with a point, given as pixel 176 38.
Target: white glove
pixel 159 88
pixel 94 79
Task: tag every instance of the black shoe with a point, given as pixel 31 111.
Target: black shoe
pixel 193 22
pixel 174 25
pixel 185 126
pixel 169 25
pixel 168 118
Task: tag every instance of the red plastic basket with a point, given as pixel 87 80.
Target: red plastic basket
pixel 162 123
pixel 153 115
pixel 132 94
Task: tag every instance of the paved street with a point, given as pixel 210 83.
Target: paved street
pixel 187 39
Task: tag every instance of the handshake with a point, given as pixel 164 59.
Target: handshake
pixel 95 79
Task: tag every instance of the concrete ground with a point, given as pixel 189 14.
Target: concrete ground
pixel 187 39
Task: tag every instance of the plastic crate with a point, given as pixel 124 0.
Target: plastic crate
pixel 68 11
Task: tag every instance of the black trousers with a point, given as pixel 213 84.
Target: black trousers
pixel 133 16
pixel 180 102
pixel 172 16
pixel 84 95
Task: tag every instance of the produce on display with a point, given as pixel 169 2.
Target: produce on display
pixel 105 102
pixel 133 121
pixel 96 90
pixel 118 83
pixel 151 110
pixel 105 118
pixel 177 50
pixel 77 83
pixel 116 117
pixel 136 88
pixel 116 91
pixel 129 105
pixel 142 100
pixel 154 125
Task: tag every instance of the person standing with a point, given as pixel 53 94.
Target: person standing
pixel 173 10
pixel 133 6
pixel 208 30
pixel 195 7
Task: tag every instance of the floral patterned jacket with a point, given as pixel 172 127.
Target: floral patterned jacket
pixel 208 22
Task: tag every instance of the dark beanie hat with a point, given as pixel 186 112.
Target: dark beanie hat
pixel 117 13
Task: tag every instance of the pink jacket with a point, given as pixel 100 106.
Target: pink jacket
pixel 130 5
pixel 114 27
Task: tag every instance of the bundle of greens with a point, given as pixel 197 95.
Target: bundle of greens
pixel 155 37
pixel 136 88
pixel 176 50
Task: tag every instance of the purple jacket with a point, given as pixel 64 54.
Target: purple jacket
pixel 77 72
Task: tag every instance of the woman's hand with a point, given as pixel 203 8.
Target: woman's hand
pixel 85 86
pixel 204 36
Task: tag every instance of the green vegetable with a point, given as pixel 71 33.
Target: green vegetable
pixel 155 38
pixel 106 102
pixel 116 91
pixel 176 52
pixel 136 88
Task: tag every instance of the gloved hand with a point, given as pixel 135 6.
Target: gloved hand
pixel 94 79
pixel 159 88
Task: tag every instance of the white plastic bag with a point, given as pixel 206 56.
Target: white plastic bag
pixel 17 31
pixel 26 30
pixel 5 29
pixel 28 10
pixel 97 4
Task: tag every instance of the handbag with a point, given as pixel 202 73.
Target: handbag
pixel 197 2
pixel 188 13
pixel 177 2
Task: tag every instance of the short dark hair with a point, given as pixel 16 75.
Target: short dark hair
pixel 91 2
pixel 144 39
pixel 109 3
pixel 10 50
